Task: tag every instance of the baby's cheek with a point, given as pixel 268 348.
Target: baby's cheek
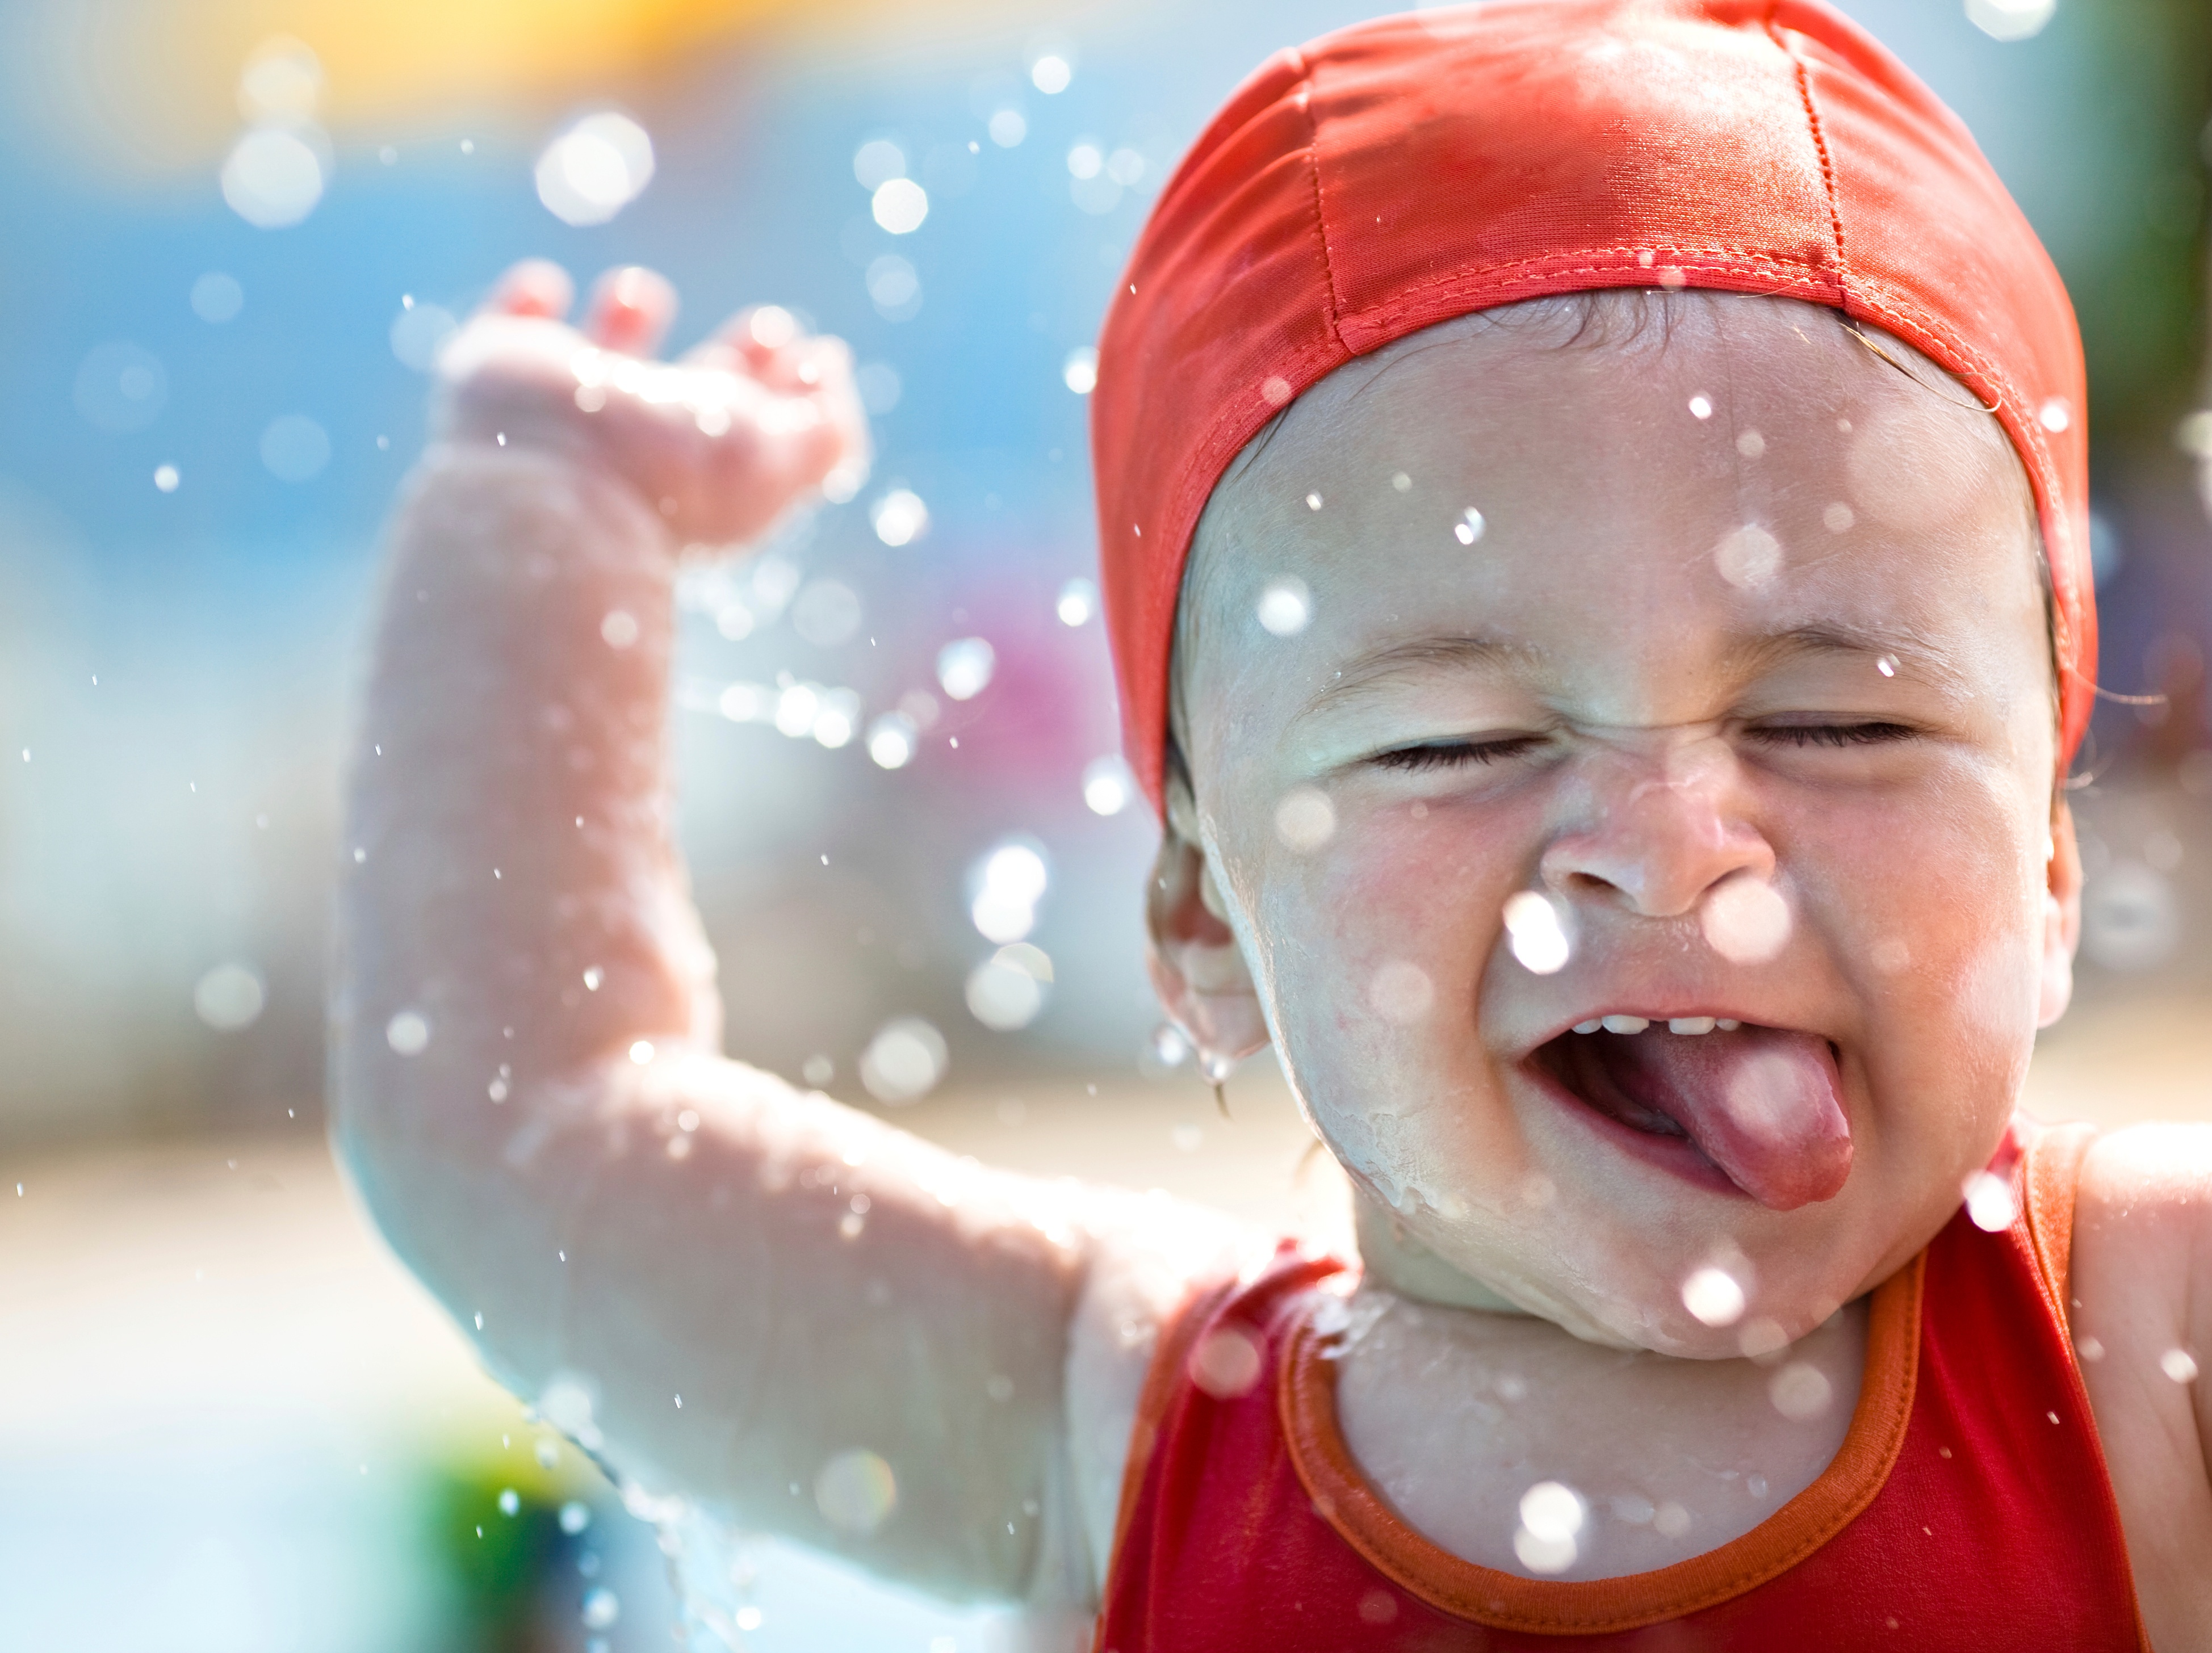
pixel 1375 1000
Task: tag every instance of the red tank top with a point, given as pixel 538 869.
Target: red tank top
pixel 1968 1508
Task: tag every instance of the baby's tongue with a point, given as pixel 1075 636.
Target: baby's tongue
pixel 1763 1104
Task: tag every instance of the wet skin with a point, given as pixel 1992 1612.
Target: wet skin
pixel 681 1226
pixel 1585 703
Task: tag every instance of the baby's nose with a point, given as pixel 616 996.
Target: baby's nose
pixel 1657 834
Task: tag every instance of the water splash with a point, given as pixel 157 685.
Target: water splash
pixel 1553 1514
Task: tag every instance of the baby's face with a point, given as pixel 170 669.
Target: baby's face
pixel 1733 650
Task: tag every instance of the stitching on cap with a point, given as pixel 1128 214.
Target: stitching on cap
pixel 1819 141
pixel 1321 222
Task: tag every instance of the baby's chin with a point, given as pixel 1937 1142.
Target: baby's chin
pixel 1621 1292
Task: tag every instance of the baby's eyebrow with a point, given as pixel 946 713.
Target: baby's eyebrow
pixel 1372 668
pixel 1765 651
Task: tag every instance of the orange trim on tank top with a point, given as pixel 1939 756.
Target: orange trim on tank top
pixel 2051 1178
pixel 1503 1601
pixel 2052 1172
pixel 1170 1356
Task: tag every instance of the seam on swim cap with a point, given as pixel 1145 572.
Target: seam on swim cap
pixel 1320 216
pixel 1775 33
pixel 2024 430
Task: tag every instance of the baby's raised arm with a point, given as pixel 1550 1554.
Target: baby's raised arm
pixel 751 1284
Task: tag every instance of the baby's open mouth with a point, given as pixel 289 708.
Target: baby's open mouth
pixel 1762 1103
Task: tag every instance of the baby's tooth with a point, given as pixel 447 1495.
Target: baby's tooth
pixel 1588 1027
pixel 1691 1024
pixel 1726 1024
pixel 1624 1023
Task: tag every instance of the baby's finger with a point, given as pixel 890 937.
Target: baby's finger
pixel 535 287
pixel 630 310
pixel 752 342
pixel 824 366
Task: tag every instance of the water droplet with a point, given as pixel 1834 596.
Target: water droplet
pixel 1551 1518
pixel 1887 665
pixel 1313 501
pixel 1750 444
pixel 640 1052
pixel 964 667
pixel 903 1061
pixel 275 174
pixel 1169 1046
pixel 893 739
pixel 1274 390
pixel 1284 607
pixel 1800 1391
pixel 1305 819
pixel 595 168
pixel 2178 1364
pixel 1470 527
pixel 602 1606
pixel 1701 407
pixel 856 1492
pixel 1401 482
pixel 1051 73
pixel 1009 881
pixel 1077 603
pixel 899 206
pixel 1007 990
pixel 1748 558
pixel 1714 1297
pixel 575 1515
pixel 1108 786
pixel 1080 373
pixel 2010 20
pixel 1226 1362
pixel 295 448
pixel 510 1502
pixel 407 1033
pixel 547 1451
pixel 165 479
pixel 877 162
pixel 218 298
pixel 1401 993
pixel 1989 1203
pixel 899 517
pixel 229 997
pixel 1745 921
pixel 593 976
pixel 1537 932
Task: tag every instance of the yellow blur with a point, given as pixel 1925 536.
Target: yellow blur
pixel 154 84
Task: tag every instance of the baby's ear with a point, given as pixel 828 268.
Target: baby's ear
pixel 2061 917
pixel 1197 967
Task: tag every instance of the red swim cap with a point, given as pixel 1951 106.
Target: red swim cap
pixel 1413 169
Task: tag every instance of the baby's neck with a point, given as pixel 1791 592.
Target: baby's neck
pixel 1397 1262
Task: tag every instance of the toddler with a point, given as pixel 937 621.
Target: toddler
pixel 1593 514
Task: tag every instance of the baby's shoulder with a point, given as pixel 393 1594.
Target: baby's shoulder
pixel 2142 1221
pixel 2144 1181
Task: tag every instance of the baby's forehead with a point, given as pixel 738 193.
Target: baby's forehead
pixel 1660 423
pixel 1560 389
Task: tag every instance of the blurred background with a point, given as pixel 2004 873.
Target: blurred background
pixel 236 232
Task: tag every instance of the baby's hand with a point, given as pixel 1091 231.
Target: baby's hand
pixel 720 442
